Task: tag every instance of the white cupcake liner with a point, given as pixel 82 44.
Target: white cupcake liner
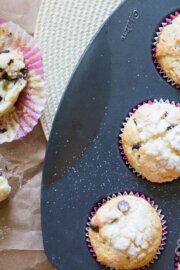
pixel 121 150
pixel 131 193
pixel 28 108
pixel 168 20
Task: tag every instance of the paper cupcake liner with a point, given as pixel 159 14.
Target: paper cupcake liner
pixel 133 110
pixel 102 201
pixel 177 256
pixel 31 101
pixel 168 20
pixel 177 263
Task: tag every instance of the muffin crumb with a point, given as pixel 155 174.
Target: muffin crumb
pixel 5 188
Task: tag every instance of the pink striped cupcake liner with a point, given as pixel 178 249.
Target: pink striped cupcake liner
pixel 168 20
pixel 177 263
pixel 133 110
pixel 31 101
pixel 102 201
pixel 177 256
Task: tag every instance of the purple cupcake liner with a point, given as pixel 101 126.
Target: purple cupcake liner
pixel 177 256
pixel 102 201
pixel 168 20
pixel 133 110
pixel 177 263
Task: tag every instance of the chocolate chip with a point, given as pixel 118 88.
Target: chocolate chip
pixel 95 228
pixel 1 98
pixel 1 69
pixel 9 79
pixel 10 62
pixel 171 127
pixel 16 79
pixel 165 114
pixel 24 72
pixel 135 122
pixel 5 76
pixel 2 130
pixel 123 206
pixel 113 221
pixel 136 146
pixel 5 51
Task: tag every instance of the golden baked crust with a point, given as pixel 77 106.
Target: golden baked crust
pixel 151 141
pixel 168 50
pixel 128 238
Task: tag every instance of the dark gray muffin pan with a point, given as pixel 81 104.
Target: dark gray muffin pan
pixel 83 163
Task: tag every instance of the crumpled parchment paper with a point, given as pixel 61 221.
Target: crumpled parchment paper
pixel 21 246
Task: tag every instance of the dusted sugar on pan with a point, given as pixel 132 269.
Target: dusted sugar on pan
pixel 168 50
pixel 125 233
pixel 151 141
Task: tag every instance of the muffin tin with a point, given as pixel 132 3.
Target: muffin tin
pixel 83 163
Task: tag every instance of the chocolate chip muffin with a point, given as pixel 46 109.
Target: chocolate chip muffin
pixel 12 78
pixel 168 50
pixel 151 141
pixel 125 233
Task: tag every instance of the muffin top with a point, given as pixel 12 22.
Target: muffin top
pixel 125 232
pixel 12 78
pixel 151 141
pixel 168 50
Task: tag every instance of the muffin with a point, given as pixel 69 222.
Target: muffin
pixel 13 78
pixel 168 50
pixel 125 233
pixel 22 92
pixel 151 141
